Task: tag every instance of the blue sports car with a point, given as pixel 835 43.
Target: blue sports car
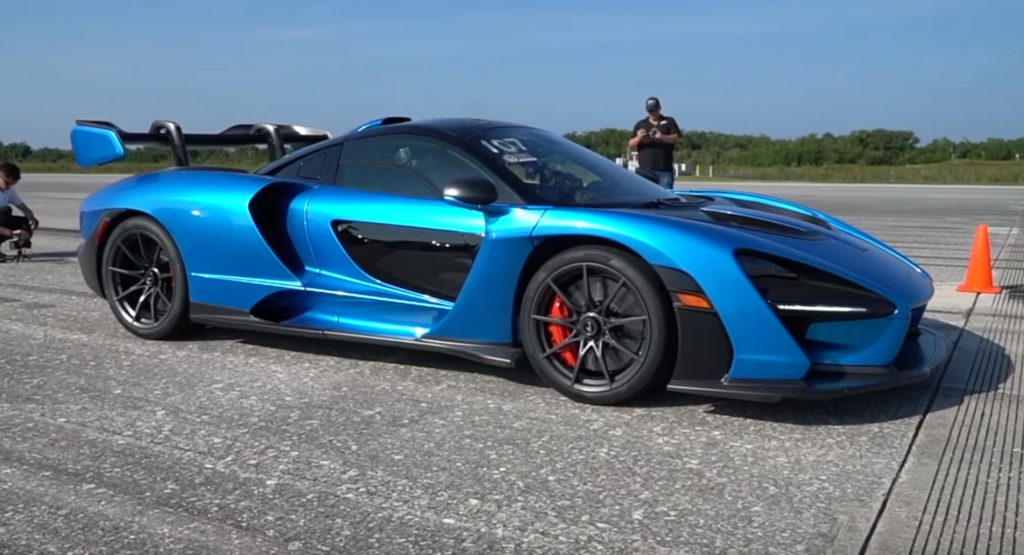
pixel 496 241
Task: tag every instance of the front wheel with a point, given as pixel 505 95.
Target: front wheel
pixel 144 280
pixel 594 323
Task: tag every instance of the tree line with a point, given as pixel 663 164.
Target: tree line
pixel 874 147
pixel 247 156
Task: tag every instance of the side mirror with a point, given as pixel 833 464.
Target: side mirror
pixel 474 191
pixel 647 174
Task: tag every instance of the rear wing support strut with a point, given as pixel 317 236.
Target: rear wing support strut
pixel 175 136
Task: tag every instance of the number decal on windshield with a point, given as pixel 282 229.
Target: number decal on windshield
pixel 513 150
pixel 511 146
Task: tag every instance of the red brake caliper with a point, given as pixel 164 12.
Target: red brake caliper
pixel 559 333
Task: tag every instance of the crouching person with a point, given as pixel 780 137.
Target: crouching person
pixel 12 227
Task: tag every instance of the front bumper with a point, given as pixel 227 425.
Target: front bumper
pixel 922 352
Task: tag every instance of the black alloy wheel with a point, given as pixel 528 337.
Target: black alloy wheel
pixel 594 324
pixel 144 280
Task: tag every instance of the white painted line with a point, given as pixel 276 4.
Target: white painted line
pixel 55 196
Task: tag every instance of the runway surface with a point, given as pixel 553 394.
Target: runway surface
pixel 232 442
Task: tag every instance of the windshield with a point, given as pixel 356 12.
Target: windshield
pixel 548 169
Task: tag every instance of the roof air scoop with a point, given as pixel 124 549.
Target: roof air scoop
pixel 390 120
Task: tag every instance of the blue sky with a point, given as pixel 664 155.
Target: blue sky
pixel 778 67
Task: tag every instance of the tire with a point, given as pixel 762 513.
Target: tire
pixel 144 280
pixel 609 351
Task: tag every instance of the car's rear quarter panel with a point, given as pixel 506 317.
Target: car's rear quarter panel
pixel 207 213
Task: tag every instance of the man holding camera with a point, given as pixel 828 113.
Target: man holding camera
pixel 16 228
pixel 654 139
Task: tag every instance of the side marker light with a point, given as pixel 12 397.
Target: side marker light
pixel 694 300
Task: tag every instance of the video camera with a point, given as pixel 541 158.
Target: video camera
pixel 22 241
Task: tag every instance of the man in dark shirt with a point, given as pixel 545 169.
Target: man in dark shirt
pixel 654 139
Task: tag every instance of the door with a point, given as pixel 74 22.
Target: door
pixel 392 254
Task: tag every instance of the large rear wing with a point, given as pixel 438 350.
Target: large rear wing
pixel 101 142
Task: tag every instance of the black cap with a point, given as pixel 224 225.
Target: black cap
pixel 653 104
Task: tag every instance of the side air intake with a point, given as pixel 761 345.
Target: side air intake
pixel 802 295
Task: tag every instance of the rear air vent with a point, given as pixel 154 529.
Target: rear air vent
pixel 269 211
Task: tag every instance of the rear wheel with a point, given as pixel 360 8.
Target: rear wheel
pixel 144 280
pixel 595 325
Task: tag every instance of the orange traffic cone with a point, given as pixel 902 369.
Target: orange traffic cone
pixel 979 268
